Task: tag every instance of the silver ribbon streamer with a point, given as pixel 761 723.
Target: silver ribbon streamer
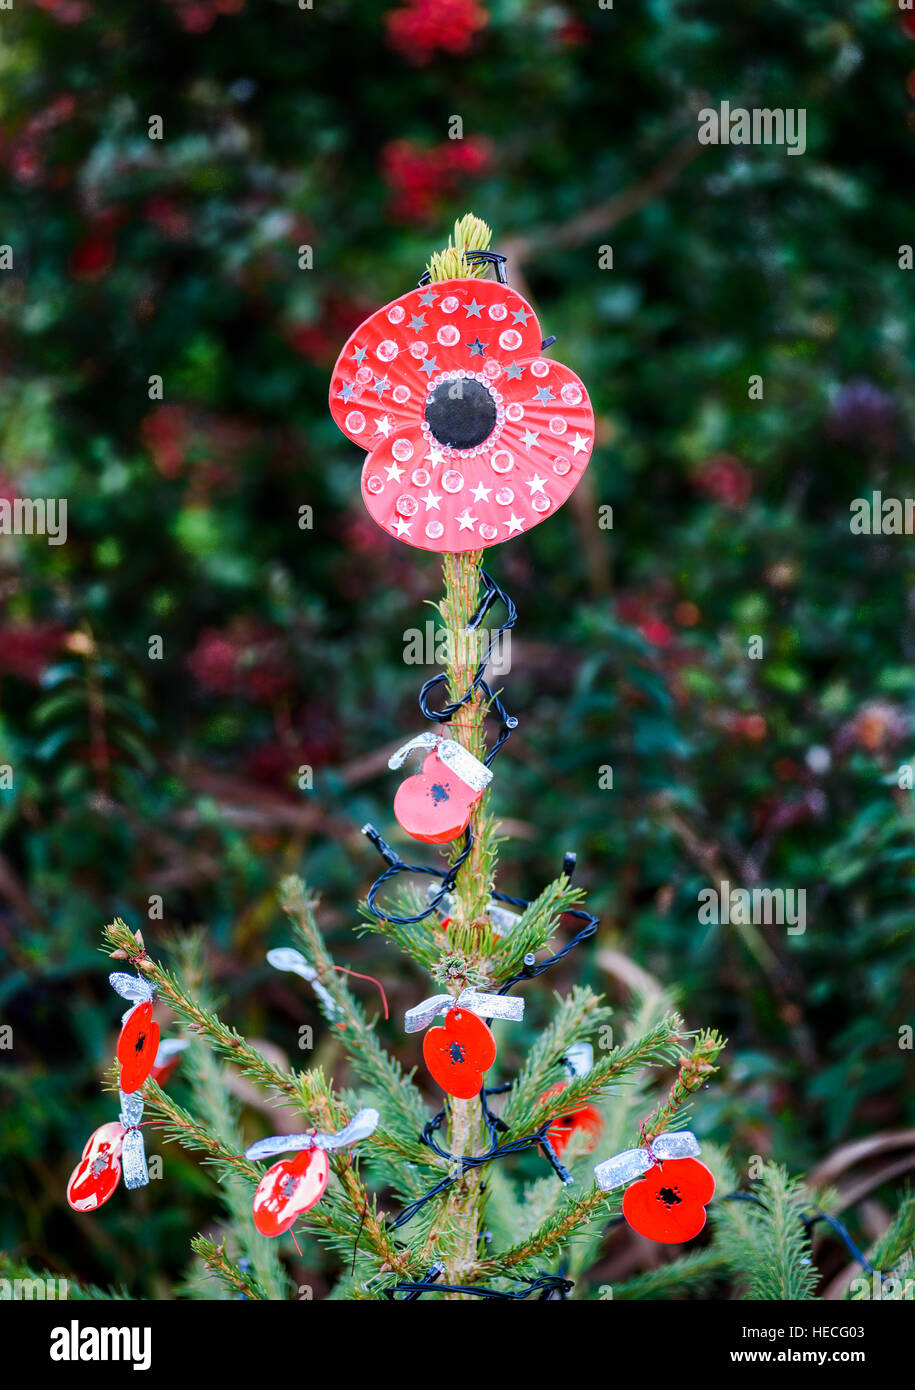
pixel 460 761
pixel 632 1163
pixel 169 1048
pixel 579 1058
pixel 287 958
pixel 486 1005
pixel 363 1123
pixel 133 1151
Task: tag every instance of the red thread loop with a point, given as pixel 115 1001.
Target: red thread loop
pixel 647 1142
pixel 384 997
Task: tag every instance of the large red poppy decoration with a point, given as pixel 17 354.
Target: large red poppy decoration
pixel 668 1203
pixel 473 436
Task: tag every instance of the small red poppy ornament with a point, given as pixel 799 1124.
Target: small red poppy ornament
pixel 98 1172
pixel 459 1053
pixel 288 1189
pixel 584 1121
pixel 113 1147
pixel 138 1043
pixel 668 1203
pixel 671 1189
pixel 472 435
pixel 294 1185
pixel 435 805
pixel 137 1047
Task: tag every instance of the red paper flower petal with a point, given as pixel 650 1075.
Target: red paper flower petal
pixel 98 1172
pixel 288 1189
pixel 137 1047
pixel 458 1054
pixel 450 326
pixel 472 439
pixel 668 1203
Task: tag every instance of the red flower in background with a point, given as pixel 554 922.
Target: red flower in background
pixel 26 650
pixel 197 16
pixel 66 11
pixel 421 177
pixel 246 660
pixel 210 446
pixel 422 26
pixel 726 479
pixel 318 341
pixel 94 255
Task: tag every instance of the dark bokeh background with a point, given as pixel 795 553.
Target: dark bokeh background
pixel 284 647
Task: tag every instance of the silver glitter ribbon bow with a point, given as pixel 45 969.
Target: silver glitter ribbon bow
pixel 455 757
pixel 363 1123
pixel 632 1163
pixel 500 919
pixel 287 958
pixel 486 1005
pixel 133 988
pixel 133 1150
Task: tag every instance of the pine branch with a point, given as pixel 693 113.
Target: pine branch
pixel 554 1232
pixel 308 1091
pixel 403 1110
pixel 687 1277
pixel 293 1087
pixel 765 1241
pixel 695 1071
pixel 656 1048
pixel 236 1280
pixel 538 925
pixel 28 1280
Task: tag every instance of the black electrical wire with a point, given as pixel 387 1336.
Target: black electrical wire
pixel 507 723
pixel 543 1284
pixel 461 1164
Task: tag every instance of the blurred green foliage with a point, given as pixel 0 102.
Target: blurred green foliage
pixel 282 647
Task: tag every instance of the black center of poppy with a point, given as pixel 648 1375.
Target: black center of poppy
pixel 456 1053
pixel 461 413
pixel 439 793
pixel 670 1196
pixel 140 1044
